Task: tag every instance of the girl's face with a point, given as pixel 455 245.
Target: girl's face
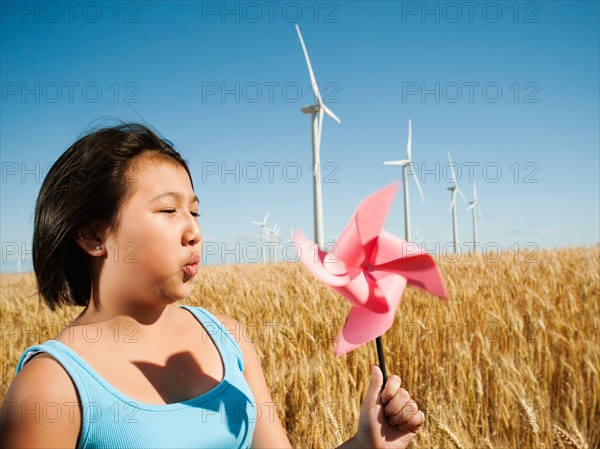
pixel 148 257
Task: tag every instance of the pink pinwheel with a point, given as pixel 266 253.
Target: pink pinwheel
pixel 370 268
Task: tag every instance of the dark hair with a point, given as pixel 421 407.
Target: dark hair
pixel 83 192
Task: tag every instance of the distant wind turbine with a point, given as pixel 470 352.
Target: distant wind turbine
pixel 262 225
pixel 317 111
pixel 417 237
pixel 454 189
pixel 272 232
pixel 472 206
pixel 406 163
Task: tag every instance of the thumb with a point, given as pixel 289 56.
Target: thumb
pixel 374 387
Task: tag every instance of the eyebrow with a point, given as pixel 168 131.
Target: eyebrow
pixel 177 195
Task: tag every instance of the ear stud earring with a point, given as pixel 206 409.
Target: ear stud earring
pixel 98 250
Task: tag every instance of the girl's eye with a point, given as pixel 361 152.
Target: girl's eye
pixel 172 211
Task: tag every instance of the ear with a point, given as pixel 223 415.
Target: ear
pixel 91 243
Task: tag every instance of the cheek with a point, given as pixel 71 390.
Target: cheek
pixel 152 239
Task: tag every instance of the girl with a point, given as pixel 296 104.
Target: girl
pixel 116 232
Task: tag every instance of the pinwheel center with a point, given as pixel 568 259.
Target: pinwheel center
pixel 366 266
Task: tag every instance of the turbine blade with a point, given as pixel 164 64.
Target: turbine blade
pixel 256 223
pixel 402 162
pixel 409 144
pixel 480 213
pixel 453 202
pixel 473 204
pixel 474 191
pixel 313 80
pixel 461 195
pixel 266 217
pixel 416 178
pixel 452 169
pixel 330 113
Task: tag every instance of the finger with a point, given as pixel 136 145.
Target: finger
pixel 413 424
pixel 392 386
pixel 374 386
pixel 406 414
pixel 397 402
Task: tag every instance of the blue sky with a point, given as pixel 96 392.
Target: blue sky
pixel 511 89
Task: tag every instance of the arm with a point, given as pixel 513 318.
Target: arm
pixel 269 432
pixel 389 418
pixel 38 410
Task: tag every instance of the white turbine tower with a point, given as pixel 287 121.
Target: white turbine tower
pixel 405 163
pixel 317 111
pixel 272 233
pixel 472 206
pixel 262 225
pixel 454 189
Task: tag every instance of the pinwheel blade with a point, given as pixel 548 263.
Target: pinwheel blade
pixel 359 236
pixel 364 325
pixel 330 271
pixel 313 80
pixel 394 254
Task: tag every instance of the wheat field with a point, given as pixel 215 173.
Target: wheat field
pixel 512 360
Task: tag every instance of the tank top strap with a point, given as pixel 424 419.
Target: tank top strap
pixel 222 337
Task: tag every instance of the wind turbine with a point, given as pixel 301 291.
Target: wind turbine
pixel 406 163
pixel 454 189
pixel 316 111
pixel 472 206
pixel 262 225
pixel 272 232
pixel 417 238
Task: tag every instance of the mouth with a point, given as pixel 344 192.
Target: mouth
pixel 191 268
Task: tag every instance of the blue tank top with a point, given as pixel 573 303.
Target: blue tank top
pixel 223 417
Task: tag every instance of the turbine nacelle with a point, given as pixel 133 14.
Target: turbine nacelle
pixel 408 162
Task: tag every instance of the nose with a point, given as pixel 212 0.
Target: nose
pixel 193 233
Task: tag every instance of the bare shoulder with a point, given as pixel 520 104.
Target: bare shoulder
pixel 43 377
pixel 227 320
pixel 41 407
pixel 236 329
